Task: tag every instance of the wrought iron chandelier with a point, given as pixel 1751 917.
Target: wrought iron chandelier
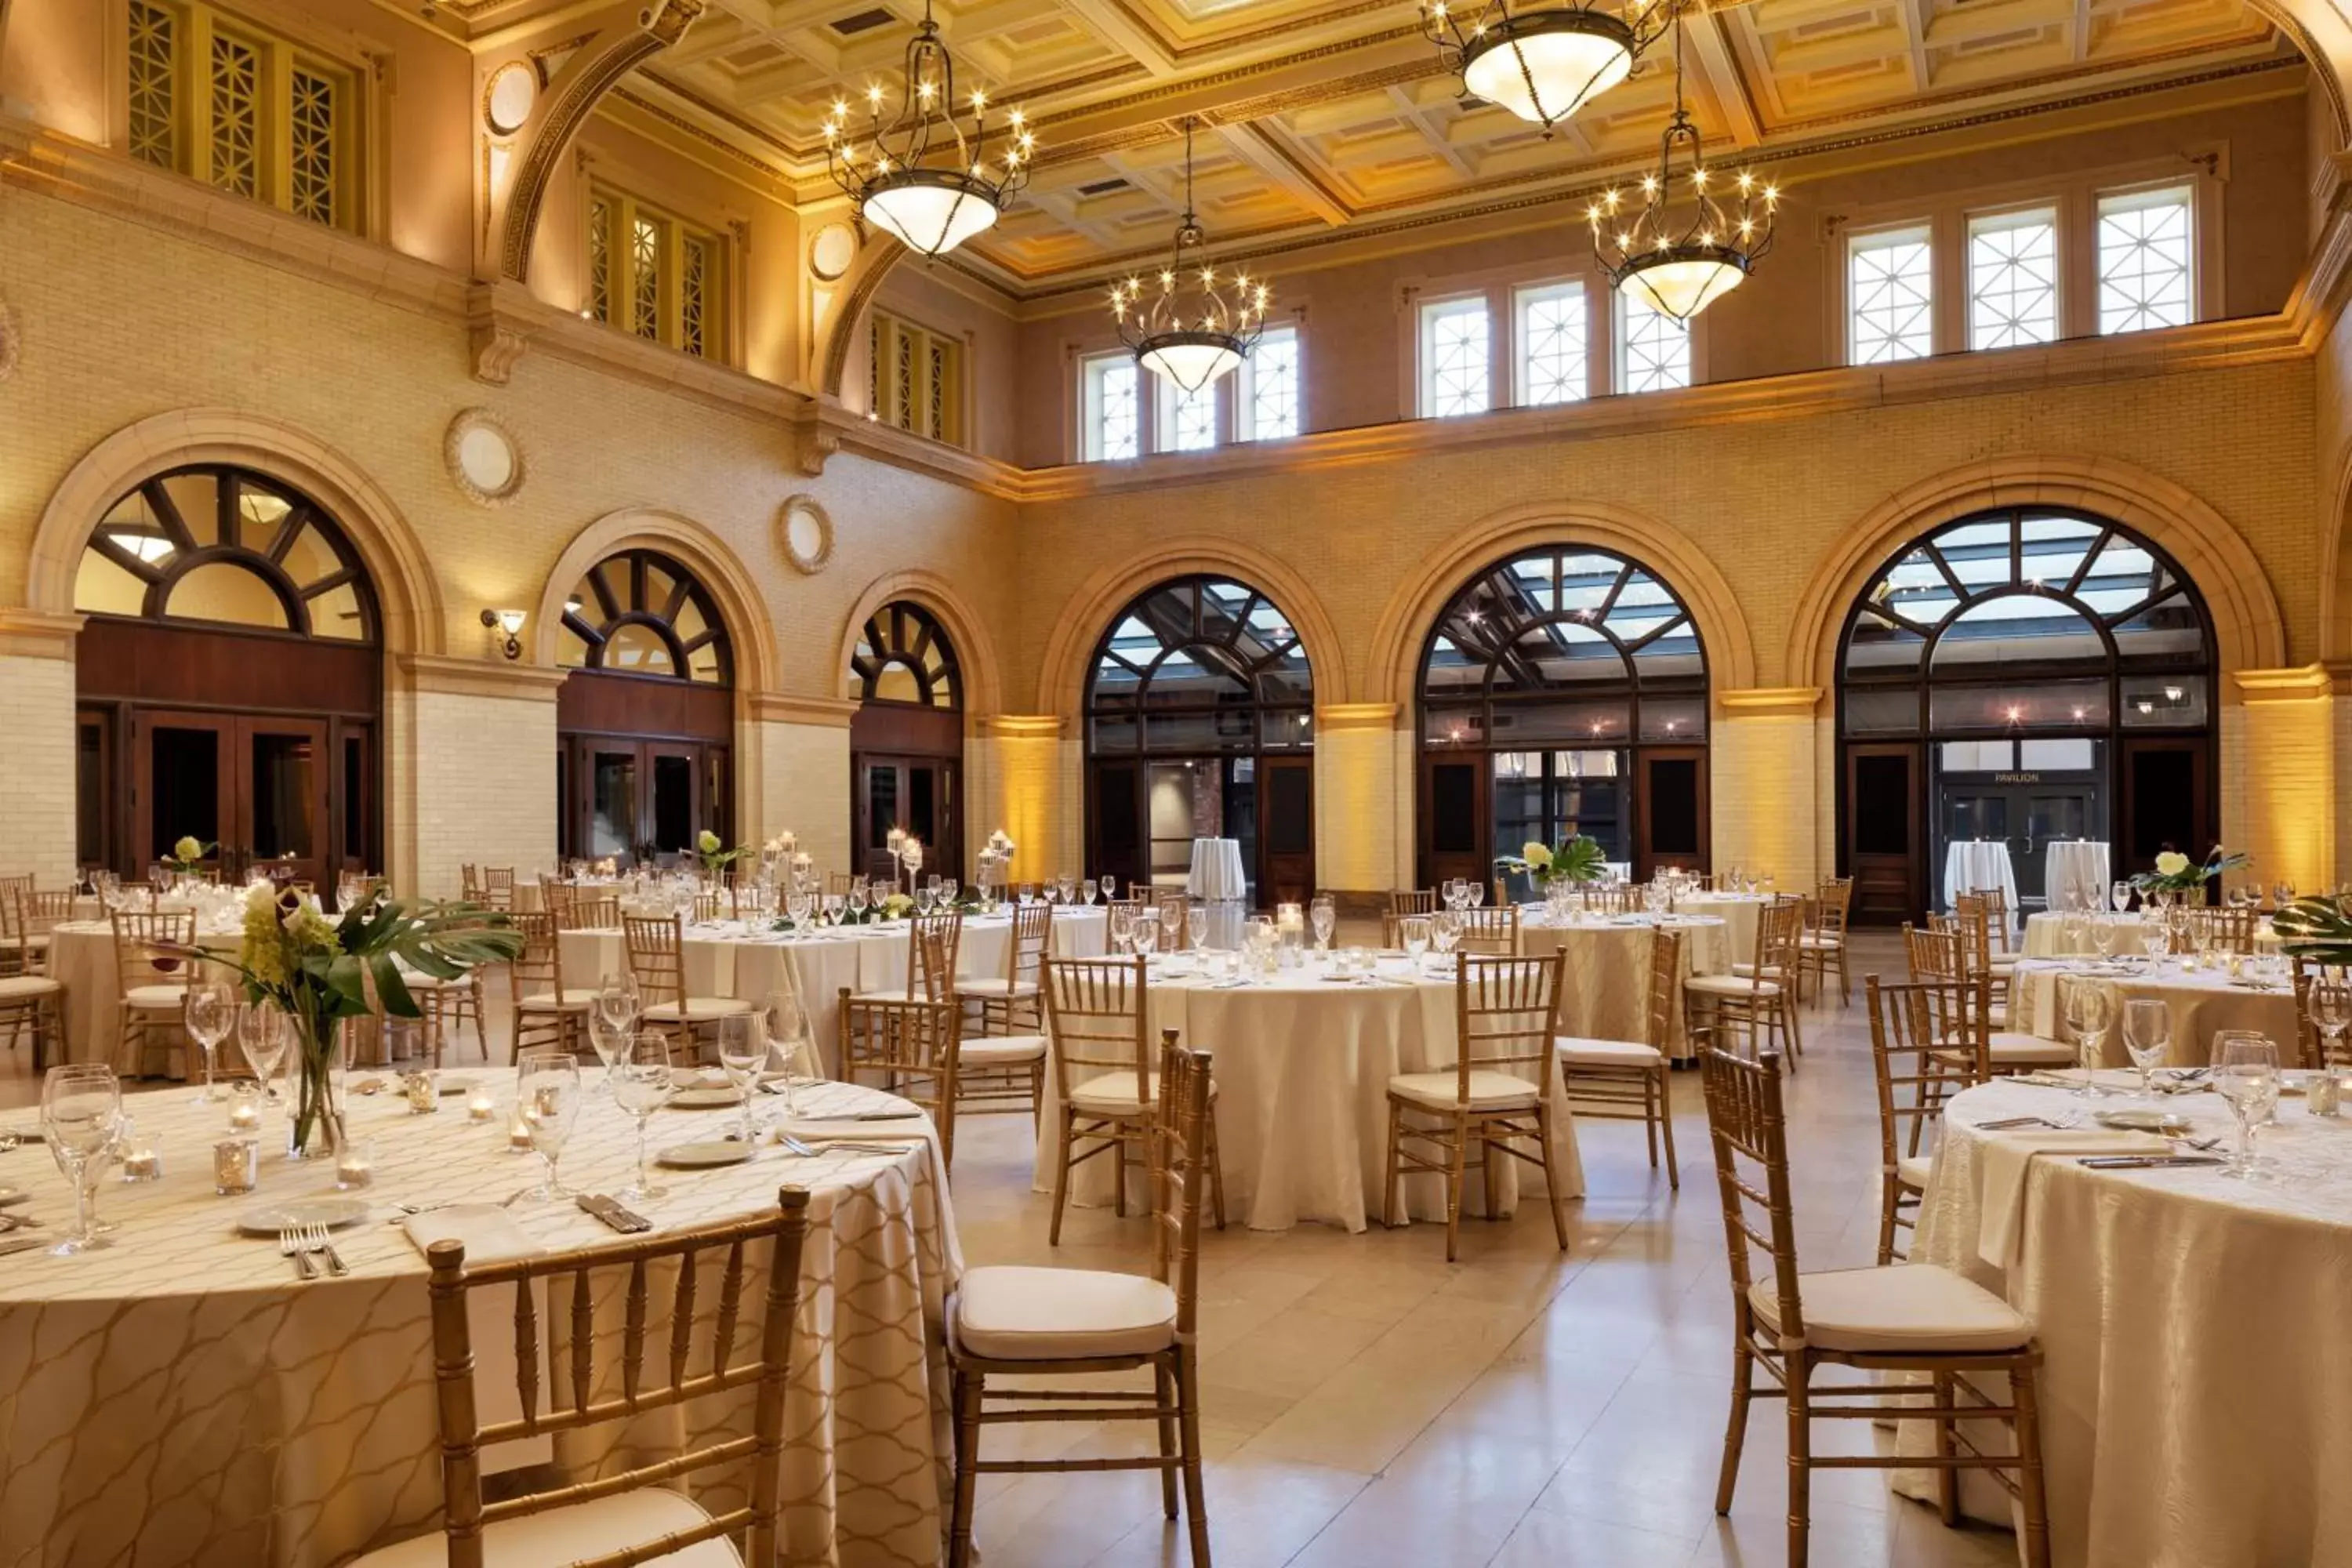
pixel 1199 325
pixel 1687 247
pixel 1543 66
pixel 922 181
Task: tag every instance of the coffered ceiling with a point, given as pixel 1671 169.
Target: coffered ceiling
pixel 1322 116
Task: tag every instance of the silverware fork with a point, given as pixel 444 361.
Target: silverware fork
pixel 290 1244
pixel 317 1237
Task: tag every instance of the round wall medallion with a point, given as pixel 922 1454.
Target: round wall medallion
pixel 806 532
pixel 832 251
pixel 485 460
pixel 507 97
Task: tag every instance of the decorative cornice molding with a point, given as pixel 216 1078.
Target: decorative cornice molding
pixel 1341 718
pixel 1019 726
pixel 787 707
pixel 35 634
pixel 2304 683
pixel 1770 703
pixel 514 683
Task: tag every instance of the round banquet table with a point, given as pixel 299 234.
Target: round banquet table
pixel 179 1398
pixel 1302 1064
pixel 2045 935
pixel 2196 1373
pixel 81 959
pixel 747 961
pixel 1979 866
pixel 2201 1002
pixel 1607 995
pixel 1737 911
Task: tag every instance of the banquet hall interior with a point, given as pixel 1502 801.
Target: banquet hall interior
pixel 1333 783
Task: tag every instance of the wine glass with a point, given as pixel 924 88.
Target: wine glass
pixel 1090 888
pixel 742 1051
pixel 2246 1073
pixel 642 1085
pixel 796 907
pixel 835 904
pixel 1324 914
pixel 1415 931
pixel 610 1036
pixel 1446 932
pixel 784 1027
pixel 262 1036
pixel 2104 936
pixel 1142 933
pixel 2148 1031
pixel 1171 926
pixel 2331 1013
pixel 211 1013
pixel 547 1101
pixel 2121 892
pixel 2089 1010
pixel 618 1001
pixel 1196 923
pixel 81 1106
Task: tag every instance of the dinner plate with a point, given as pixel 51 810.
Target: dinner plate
pixel 270 1218
pixel 704 1156
pixel 706 1098
pixel 2169 1123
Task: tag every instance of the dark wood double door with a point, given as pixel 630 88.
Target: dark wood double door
pixel 906 771
pixel 1142 815
pixel 644 764
pixel 1661 821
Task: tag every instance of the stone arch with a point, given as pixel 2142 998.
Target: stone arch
pixel 750 635
pixel 407 591
pixel 975 654
pixel 852 293
pixel 2249 630
pixel 1413 609
pixel 1062 674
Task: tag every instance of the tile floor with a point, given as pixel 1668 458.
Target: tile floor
pixel 1365 1405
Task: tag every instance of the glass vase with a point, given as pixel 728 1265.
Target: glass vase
pixel 316 1129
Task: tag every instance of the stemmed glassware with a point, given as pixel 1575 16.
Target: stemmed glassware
pixel 1109 885
pixel 2147 1032
pixel 2104 936
pixel 262 1035
pixel 1323 913
pixel 783 1029
pixel 2331 1013
pixel 642 1085
pixel 1090 889
pixel 742 1051
pixel 547 1094
pixel 1473 891
pixel 1415 931
pixel 1142 933
pixel 211 1013
pixel 1196 924
pixel 81 1107
pixel 1171 926
pixel 2246 1073
pixel 2089 1010
pixel 1446 932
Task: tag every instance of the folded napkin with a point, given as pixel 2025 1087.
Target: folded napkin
pixel 2000 1167
pixel 489 1233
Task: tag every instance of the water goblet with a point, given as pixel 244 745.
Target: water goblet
pixel 618 1001
pixel 1414 932
pixel 2104 936
pixel 1196 923
pixel 82 1110
pixel 211 1013
pixel 835 907
pixel 2245 1074
pixel 742 1051
pixel 783 1026
pixel 948 888
pixel 642 1084
pixel 1090 888
pixel 610 1036
pixel 1109 885
pixel 1142 933
pixel 1171 926
pixel 2147 1032
pixel 263 1036
pixel 1324 914
pixel 2331 1013
pixel 2090 1011
pixel 547 1097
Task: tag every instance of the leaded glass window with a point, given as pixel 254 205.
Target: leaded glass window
pixel 645 277
pixel 915 377
pixel 1113 408
pixel 154 125
pixel 1653 348
pixel 1193 418
pixel 656 275
pixel 694 293
pixel 600 257
pixel 312 143
pixel 2013 278
pixel 1890 294
pixel 236 115
pixel 903 655
pixel 2147 260
pixel 643 613
pixel 1553 351
pixel 1456 358
pixel 1269 384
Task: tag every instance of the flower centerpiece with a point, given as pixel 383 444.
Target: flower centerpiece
pixel 2175 873
pixel 1579 858
pixel 318 970
pixel 711 850
pixel 188 853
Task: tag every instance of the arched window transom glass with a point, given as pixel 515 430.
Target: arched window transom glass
pixel 226 546
pixel 1200 665
pixel 903 655
pixel 642 613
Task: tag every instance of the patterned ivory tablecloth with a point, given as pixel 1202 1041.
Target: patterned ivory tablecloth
pixel 178 1398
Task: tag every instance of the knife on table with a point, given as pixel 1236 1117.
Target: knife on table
pixel 604 1208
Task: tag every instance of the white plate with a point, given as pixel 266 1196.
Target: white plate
pixel 706 1098
pixel 272 1218
pixel 704 1156
pixel 2167 1123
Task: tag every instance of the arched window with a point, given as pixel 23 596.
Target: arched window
pixel 2024 676
pixel 226 547
pixel 1564 691
pixel 1200 724
pixel 904 656
pixel 641 613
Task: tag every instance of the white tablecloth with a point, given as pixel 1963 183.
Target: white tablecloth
pixel 2074 874
pixel 2045 936
pixel 2201 1003
pixel 178 1398
pixel 1976 866
pixel 1737 911
pixel 1302 1064
pixel 1217 869
pixel 2196 1381
pixel 1608 981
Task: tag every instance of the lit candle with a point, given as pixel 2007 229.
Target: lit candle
pixel 424 1094
pixel 244 1116
pixel 479 1106
pixel 518 1139
pixel 141 1165
pixel 236 1166
pixel 354 1169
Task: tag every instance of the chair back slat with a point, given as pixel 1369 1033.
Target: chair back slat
pixel 1492 932
pixel 1096 1014
pixel 681 1319
pixel 590 914
pixel 1831 907
pixel 1412 901
pixel 539 967
pixel 143 944
pixel 1750 1130
pixel 463 1435
pixel 1665 987
pixel 1927 1044
pixel 1933 955
pixel 1033 932
pixel 498 887
pixel 932 942
pixel 912 1047
pixel 656 950
pixel 1506 1013
pixel 1180 1135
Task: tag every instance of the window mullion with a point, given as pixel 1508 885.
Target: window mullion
pixel 673 284
pixel 195 66
pixel 276 108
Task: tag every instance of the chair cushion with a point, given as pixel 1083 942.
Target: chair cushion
pixel 1001 1050
pixel 2009 1046
pixel 575 999
pixel 1729 985
pixel 1908 1307
pixel 895 994
pixel 992 989
pixel 156 998
pixel 1578 1052
pixel 38 939
pixel 1912 1169
pixel 1110 1094
pixel 1748 970
pixel 1490 1089
pixel 1056 1315
pixel 573 1534
pixel 698 1008
pixel 1822 941
pixel 25 987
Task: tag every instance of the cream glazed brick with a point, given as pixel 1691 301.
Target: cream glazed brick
pixel 36 769
pixel 805 787
pixel 485 774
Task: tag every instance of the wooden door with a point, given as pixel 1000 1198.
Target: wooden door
pixel 1671 810
pixel 604 781
pixel 672 811
pixel 1115 821
pixel 1886 848
pixel 284 772
pixel 1285 830
pixel 2167 802
pixel 184 784
pixel 1454 806
pixel 257 787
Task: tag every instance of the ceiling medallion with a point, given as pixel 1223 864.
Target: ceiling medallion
pixel 921 180
pixel 1543 66
pixel 1697 235
pixel 1198 326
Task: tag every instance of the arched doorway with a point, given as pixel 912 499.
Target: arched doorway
pixel 228 681
pixel 1200 724
pixel 1563 691
pixel 2028 674
pixel 906 740
pixel 645 723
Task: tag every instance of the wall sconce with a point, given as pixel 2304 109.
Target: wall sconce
pixel 510 623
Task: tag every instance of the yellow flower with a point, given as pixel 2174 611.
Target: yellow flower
pixel 1537 856
pixel 707 841
pixel 2171 863
pixel 187 849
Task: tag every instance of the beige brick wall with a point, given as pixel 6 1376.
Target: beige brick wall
pixel 37 751
pixel 484 785
pixel 805 789
pixel 1760 789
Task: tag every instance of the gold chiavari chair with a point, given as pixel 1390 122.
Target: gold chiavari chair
pixel 1979 917
pixel 1028 1323
pixel 1823 941
pixel 2323 991
pixel 556 896
pixel 2231 931
pixel 1490 932
pixel 1392 928
pixel 1625 1080
pixel 42 913
pixel 19 952
pixel 152 981
pixel 1505 1015
pixel 31 1000
pixel 1910 1318
pixel 1914 1032
pixel 547 1013
pixel 1097 1015
pixel 1011 1002
pixel 934 943
pixel 656 950
pixel 499 887
pixel 839 882
pixel 707 906
pixel 1412 901
pixel 1002 1067
pixel 590 914
pixel 1750 1001
pixel 1939 956
pixel 635 1515
pixel 912 1048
